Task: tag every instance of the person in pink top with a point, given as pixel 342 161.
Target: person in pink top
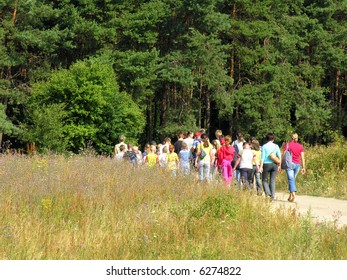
pixel 225 156
pixel 298 157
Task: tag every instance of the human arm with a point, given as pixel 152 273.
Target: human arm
pixel 261 164
pixel 115 151
pixel 237 161
pixel 255 159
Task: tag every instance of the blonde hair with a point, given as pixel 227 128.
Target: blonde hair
pixel 218 133
pixel 294 137
pixel 255 145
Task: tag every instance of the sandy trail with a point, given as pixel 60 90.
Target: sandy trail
pixel 321 209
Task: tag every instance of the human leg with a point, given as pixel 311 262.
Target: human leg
pixel 258 182
pixel 201 171
pixel 184 168
pixel 253 177
pixel 291 176
pixel 238 175
pixel 207 169
pixel 265 175
pixel 249 179
pixel 227 172
pixel 273 173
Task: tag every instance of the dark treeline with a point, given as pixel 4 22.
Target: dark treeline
pixel 73 72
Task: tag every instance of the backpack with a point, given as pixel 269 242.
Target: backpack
pixel 195 149
pixel 236 153
pixel 131 156
pixel 287 159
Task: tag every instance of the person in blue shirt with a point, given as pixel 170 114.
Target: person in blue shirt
pixel 268 165
pixel 184 157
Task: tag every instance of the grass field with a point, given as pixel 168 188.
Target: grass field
pixel 87 207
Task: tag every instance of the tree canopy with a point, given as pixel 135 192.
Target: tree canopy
pixel 152 68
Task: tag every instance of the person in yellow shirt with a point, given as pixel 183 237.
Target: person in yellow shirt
pixel 152 158
pixel 172 160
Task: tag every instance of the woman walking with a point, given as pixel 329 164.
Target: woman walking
pixel 298 155
pixel 269 165
pixel 256 174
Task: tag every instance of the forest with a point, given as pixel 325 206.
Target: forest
pixel 79 73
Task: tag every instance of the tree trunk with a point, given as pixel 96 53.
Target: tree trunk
pixel 200 97
pixel 164 104
pixel 150 120
pixel 208 112
pixel 232 54
pixel 4 102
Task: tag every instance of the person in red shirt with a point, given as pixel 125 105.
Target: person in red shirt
pixel 298 157
pixel 225 156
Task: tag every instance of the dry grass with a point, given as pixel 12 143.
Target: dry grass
pixel 80 207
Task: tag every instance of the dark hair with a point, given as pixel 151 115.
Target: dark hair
pixel 228 139
pixel 239 134
pixel 270 136
pixel 204 135
pixel 152 142
pixel 122 148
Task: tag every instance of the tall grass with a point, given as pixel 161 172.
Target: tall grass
pixel 326 172
pixel 83 207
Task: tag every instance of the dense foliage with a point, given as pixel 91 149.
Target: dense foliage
pixel 150 68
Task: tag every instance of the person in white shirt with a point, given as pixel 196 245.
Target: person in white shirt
pixel 245 160
pixel 239 143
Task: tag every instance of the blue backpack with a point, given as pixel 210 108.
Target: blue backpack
pixel 287 159
pixel 236 153
pixel 131 156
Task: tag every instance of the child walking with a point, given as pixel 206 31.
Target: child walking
pixel 225 156
pixel 184 159
pixel 172 160
pixel 151 158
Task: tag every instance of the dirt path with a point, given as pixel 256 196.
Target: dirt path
pixel 322 209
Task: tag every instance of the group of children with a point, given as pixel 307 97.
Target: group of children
pixel 220 158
